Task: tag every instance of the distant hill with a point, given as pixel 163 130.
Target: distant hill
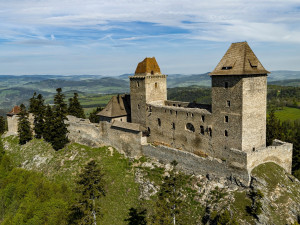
pixel 290 82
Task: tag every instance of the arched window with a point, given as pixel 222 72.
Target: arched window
pixel 190 127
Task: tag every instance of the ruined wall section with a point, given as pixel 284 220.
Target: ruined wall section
pixel 12 124
pixel 254 112
pixel 125 140
pixel 194 164
pixel 279 152
pixel 180 128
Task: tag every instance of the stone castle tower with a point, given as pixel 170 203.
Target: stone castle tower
pixel 146 86
pixel 239 100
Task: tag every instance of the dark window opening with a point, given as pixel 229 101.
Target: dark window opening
pixel 174 104
pixel 226 67
pixel 209 132
pixel 158 121
pixel 187 114
pixel 228 103
pixel 253 149
pixel 190 127
pixel 226 133
pixel 202 130
pixel 173 126
pixel 171 112
pixel 176 113
pixel 156 85
pixel 138 106
pixel 152 72
pixel 150 108
pixel 192 115
pixel 226 119
pixel 203 118
pixel 179 105
pixel 226 85
pixel 137 84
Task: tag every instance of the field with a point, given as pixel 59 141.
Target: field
pixel 288 113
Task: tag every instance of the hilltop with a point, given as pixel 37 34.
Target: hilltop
pixel 131 182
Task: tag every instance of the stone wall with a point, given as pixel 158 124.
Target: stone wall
pixel 126 140
pixel 12 124
pixel 279 152
pixel 180 127
pixel 194 164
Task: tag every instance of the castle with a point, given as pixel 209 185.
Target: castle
pixel 226 138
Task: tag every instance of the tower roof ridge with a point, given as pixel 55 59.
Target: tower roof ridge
pixel 239 60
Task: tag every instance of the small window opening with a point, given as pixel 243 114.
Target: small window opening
pixel 149 131
pixel 187 114
pixel 159 122
pixel 156 85
pixel 138 106
pixel 226 67
pixel 179 105
pixel 176 113
pixel 137 84
pixel 202 130
pixel 173 126
pixel 203 118
pixel 190 127
pixel 171 112
pixel 226 133
pixel 226 119
pixel 165 110
pixel 226 85
pixel 174 104
pixel 209 132
pixel 192 115
pixel 228 103
pixel 253 149
pixel 121 120
pixel 152 72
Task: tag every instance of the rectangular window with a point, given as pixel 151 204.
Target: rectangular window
pixel 228 104
pixel 226 133
pixel 202 130
pixel 226 85
pixel 226 119
pixel 203 118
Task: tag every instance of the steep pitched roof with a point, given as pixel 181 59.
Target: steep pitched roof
pixel 148 65
pixel 15 110
pixel 117 106
pixel 239 60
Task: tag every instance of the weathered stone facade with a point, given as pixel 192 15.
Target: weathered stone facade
pixel 226 138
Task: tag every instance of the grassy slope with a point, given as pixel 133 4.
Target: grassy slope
pixel 123 191
pixel 64 165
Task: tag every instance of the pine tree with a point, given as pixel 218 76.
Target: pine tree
pixel 2 125
pixel 24 129
pixel 39 116
pixel 75 109
pixel 59 138
pixel 90 188
pixel 170 207
pixel 33 103
pixel 2 151
pixel 48 132
pixel 93 115
pixel 273 127
pixel 136 217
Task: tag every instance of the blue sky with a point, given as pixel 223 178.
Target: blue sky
pixel 111 37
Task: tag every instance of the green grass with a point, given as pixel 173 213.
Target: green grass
pixel 65 165
pixel 288 113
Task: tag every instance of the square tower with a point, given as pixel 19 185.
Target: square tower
pixel 146 86
pixel 239 100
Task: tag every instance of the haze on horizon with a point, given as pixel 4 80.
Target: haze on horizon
pixel 111 37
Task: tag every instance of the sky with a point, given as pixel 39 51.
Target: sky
pixel 110 37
